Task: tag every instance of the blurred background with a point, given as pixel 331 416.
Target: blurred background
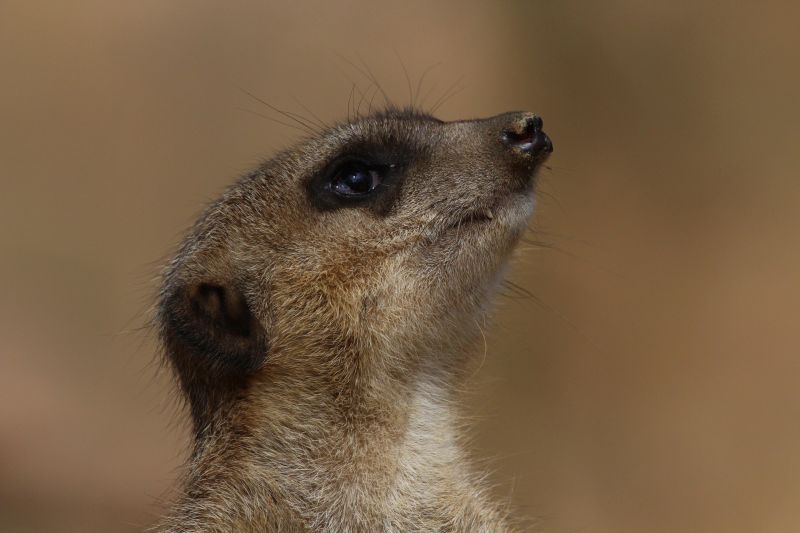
pixel 650 384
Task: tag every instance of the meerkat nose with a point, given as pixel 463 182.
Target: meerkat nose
pixel 525 134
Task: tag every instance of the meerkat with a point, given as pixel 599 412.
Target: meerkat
pixel 321 316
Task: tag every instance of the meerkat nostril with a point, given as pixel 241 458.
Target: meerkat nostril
pixel 527 136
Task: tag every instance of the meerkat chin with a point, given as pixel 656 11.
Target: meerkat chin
pixel 319 318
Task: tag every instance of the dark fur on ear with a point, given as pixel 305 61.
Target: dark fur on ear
pixel 214 342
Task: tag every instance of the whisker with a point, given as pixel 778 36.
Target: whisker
pixel 562 236
pixel 549 308
pixel 372 77
pixel 349 101
pixel 372 99
pixel 318 120
pixel 449 97
pixel 408 78
pixel 518 289
pixel 573 255
pixel 363 97
pixel 271 119
pixel 367 73
pixel 422 77
pixel 446 95
pixel 291 116
pixel 559 169
pixel 430 91
pixel 540 192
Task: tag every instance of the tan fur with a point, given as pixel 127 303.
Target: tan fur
pixel 368 317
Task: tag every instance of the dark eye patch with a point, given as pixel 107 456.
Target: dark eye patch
pixel 362 175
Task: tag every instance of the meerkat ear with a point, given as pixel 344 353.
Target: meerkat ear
pixel 212 337
pixel 225 327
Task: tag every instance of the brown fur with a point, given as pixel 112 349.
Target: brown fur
pixel 322 347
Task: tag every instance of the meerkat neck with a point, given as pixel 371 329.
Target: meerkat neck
pixel 392 462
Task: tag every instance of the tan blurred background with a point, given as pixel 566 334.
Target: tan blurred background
pixel 653 385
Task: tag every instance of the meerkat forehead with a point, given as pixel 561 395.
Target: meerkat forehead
pixel 376 233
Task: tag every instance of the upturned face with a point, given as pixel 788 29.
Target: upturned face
pixel 374 245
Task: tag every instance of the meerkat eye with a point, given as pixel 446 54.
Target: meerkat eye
pixel 355 180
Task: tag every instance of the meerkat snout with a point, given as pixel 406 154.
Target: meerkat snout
pixel 525 134
pixel 321 314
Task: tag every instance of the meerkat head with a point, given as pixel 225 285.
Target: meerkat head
pixel 358 255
